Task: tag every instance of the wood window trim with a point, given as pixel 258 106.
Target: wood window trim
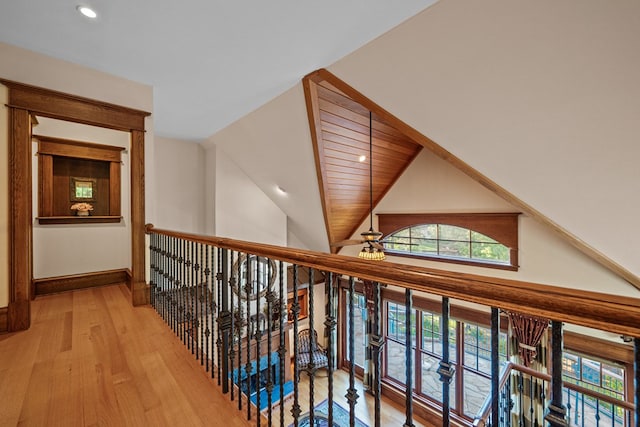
pixel 502 227
pixel 48 149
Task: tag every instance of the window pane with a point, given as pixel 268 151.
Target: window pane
pixel 431 384
pixel 591 371
pixel 425 231
pixel 359 325
pixel 453 249
pixel 450 232
pixel 396 361
pixel 477 237
pixel 490 251
pixel 428 246
pixel 431 337
pixel 476 390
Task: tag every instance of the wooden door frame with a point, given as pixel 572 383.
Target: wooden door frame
pixel 26 101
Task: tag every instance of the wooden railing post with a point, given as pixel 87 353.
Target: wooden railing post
pixel 556 412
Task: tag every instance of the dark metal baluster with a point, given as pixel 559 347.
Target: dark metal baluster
pixel 311 369
pixel 352 393
pixel 163 277
pixel 248 370
pixel 531 403
pixel 225 322
pixel 295 311
pixel 556 413
pixel 201 303
pixel 597 412
pixel 636 370
pixel 235 376
pixel 330 323
pixel 237 322
pixel 180 292
pixel 521 397
pixel 192 300
pixel 152 262
pixel 172 283
pixel 184 299
pixel 409 354
pixel 258 337
pixel 271 298
pixel 377 342
pixel 207 304
pixel 446 369
pixel 161 295
pixel 495 365
pixel 220 284
pixel 282 351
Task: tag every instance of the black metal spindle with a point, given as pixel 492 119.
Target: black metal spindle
pixel 556 413
pixel 282 351
pixel 171 258
pixel 311 370
pixel 495 364
pixel 248 370
pixel 295 310
pixel 377 342
pixel 224 321
pixel 192 300
pixel 201 304
pixel 445 369
pixel 258 334
pixel 232 308
pixel 207 304
pixel 352 393
pixel 271 298
pixel 220 284
pixel 636 370
pixel 180 293
pixel 408 300
pixel 330 324
pixel 237 329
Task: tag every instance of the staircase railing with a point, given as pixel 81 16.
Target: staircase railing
pixel 218 296
pixel 522 389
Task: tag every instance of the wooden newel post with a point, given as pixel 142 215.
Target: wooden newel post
pixel 556 412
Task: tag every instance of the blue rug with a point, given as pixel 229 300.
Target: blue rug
pixel 321 412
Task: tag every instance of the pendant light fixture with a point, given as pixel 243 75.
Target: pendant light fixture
pixel 371 237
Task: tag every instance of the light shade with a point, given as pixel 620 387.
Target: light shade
pixel 371 253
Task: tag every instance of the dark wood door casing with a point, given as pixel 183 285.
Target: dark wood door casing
pixel 26 101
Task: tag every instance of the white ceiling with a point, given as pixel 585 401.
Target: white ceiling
pixel 210 62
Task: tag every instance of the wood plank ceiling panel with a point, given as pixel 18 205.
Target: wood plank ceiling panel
pixel 340 133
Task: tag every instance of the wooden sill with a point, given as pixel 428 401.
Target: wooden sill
pixel 78 219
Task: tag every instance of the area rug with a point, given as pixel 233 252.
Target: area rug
pixel 340 416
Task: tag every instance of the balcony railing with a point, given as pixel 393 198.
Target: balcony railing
pixel 227 301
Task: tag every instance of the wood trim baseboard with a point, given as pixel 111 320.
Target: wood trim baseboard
pixel 4 319
pixel 52 285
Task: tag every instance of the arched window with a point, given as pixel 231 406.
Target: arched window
pixel 489 240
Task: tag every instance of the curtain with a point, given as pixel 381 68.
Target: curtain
pixel 530 337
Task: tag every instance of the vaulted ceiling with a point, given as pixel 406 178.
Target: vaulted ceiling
pixel 340 134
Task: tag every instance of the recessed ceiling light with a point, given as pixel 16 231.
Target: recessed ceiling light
pixel 281 190
pixel 362 158
pixel 87 11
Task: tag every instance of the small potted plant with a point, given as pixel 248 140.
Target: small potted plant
pixel 82 209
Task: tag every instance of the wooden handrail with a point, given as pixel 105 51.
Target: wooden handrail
pixel 620 315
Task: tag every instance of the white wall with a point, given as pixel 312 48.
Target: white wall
pixel 542 97
pixel 272 145
pixel 180 185
pixel 431 184
pixel 66 249
pixel 243 211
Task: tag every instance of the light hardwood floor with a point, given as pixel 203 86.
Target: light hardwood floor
pixel 91 359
